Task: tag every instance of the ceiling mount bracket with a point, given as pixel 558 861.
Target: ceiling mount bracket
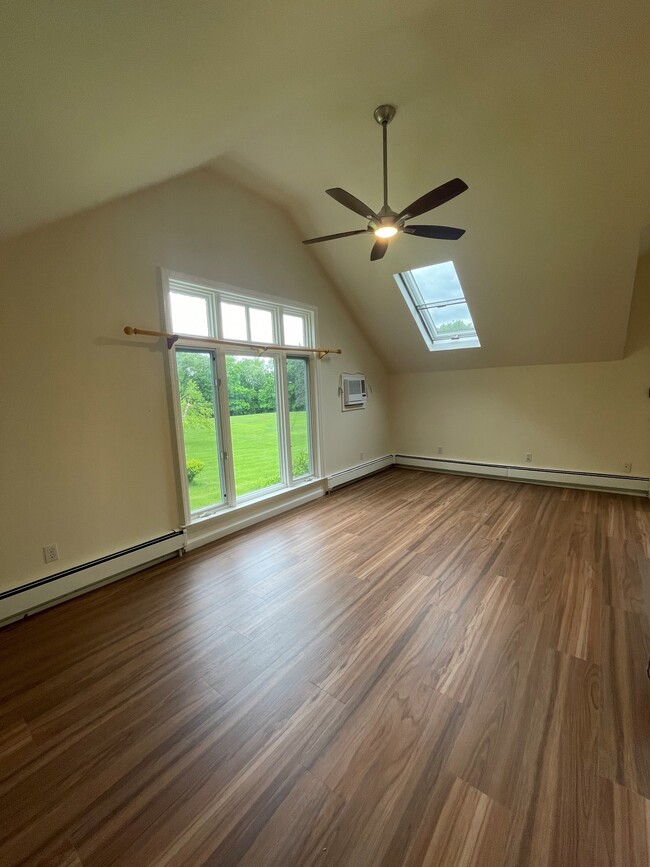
pixel 383 114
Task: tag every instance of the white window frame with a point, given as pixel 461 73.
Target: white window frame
pixel 215 293
pixel 435 340
pixel 198 514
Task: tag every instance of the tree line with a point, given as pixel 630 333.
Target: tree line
pixel 250 382
pixel 452 327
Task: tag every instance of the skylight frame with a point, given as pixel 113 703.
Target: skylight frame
pixel 435 339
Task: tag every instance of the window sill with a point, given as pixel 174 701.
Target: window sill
pixel 228 520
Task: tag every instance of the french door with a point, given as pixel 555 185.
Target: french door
pixel 245 422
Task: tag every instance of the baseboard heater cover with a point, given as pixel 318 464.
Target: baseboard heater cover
pixel 77 579
pixel 566 478
pixel 344 477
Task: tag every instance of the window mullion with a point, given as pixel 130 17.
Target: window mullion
pixel 248 322
pixel 218 427
pixel 435 305
pixel 283 419
pixel 180 435
pixel 278 335
pixel 314 417
pixel 217 314
pixel 226 435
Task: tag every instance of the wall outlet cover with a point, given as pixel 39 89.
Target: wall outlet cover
pixel 51 552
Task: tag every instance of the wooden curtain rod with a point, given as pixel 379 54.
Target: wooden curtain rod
pixel 261 347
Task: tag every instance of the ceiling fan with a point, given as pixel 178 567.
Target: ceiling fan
pixel 387 223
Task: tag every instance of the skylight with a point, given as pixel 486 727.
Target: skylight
pixel 436 300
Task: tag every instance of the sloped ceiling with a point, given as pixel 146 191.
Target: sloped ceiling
pixel 542 108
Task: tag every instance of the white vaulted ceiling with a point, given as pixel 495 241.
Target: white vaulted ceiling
pixel 542 108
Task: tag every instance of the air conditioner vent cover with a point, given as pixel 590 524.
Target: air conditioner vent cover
pixel 354 392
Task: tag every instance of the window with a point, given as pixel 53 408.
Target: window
pixel 196 371
pixel 233 321
pixel 293 328
pixel 436 300
pixel 254 430
pixel 189 314
pixel 245 421
pixel 299 416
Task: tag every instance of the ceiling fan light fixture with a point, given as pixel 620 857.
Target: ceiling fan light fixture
pixel 386 223
pixel 386 231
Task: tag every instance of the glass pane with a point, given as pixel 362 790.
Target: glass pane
pixel 200 428
pixel 253 422
pixel 298 388
pixel 438 282
pixel 294 329
pixel 189 314
pixel 261 325
pixel 233 321
pixel 452 319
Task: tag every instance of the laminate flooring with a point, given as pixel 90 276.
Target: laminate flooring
pixel 419 669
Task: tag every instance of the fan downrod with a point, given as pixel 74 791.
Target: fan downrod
pixel 383 114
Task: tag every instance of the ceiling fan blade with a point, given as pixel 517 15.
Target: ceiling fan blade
pixel 378 250
pixel 349 201
pixel 433 198
pixel 445 233
pixel 338 235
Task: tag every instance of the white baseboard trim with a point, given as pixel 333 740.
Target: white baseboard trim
pixel 344 477
pixel 214 528
pixel 52 589
pixel 637 485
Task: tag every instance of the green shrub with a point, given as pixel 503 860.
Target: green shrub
pixel 300 461
pixel 194 467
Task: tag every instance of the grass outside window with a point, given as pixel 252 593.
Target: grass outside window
pixel 255 452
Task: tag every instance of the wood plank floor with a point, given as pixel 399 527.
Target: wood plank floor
pixel 416 670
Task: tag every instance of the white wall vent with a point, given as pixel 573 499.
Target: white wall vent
pixel 354 392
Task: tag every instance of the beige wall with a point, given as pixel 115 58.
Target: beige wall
pixel 86 454
pixel 86 457
pixel 591 417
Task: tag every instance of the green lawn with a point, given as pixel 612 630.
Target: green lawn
pixel 256 459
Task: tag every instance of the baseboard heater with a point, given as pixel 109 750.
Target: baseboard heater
pixel 46 591
pixel 344 477
pixel 638 485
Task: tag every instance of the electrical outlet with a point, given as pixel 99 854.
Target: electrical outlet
pixel 627 468
pixel 529 457
pixel 439 450
pixel 361 456
pixel 51 553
